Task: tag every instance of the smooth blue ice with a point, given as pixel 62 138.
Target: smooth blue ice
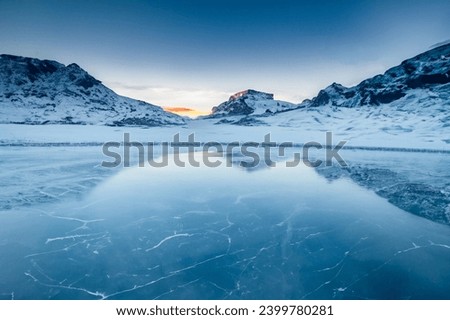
pixel 223 233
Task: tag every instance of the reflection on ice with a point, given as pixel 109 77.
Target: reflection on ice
pixel 223 233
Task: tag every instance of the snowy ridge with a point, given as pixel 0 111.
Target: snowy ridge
pixel 426 75
pixel 34 91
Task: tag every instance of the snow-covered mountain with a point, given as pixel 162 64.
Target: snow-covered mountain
pixel 414 96
pixel 419 86
pixel 34 91
pixel 250 103
pixel 409 101
pixel 427 74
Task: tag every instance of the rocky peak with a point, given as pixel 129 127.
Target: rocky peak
pixel 34 91
pixel 250 93
pixel 250 102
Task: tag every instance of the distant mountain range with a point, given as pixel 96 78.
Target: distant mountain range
pixel 36 91
pixel 418 85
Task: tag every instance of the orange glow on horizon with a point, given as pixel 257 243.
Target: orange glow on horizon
pixel 183 111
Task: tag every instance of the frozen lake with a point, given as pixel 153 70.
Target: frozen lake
pixel 214 233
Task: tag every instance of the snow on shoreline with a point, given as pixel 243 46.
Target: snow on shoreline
pixel 206 131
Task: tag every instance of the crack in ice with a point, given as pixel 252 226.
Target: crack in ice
pixel 169 238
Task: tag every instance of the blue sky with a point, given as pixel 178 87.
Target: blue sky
pixel 196 53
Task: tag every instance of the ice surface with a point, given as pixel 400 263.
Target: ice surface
pixel 415 182
pixel 223 233
pixel 429 135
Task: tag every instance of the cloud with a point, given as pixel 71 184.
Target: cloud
pixel 191 98
pixel 178 109
pixel 302 83
pixel 128 87
pixel 193 113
